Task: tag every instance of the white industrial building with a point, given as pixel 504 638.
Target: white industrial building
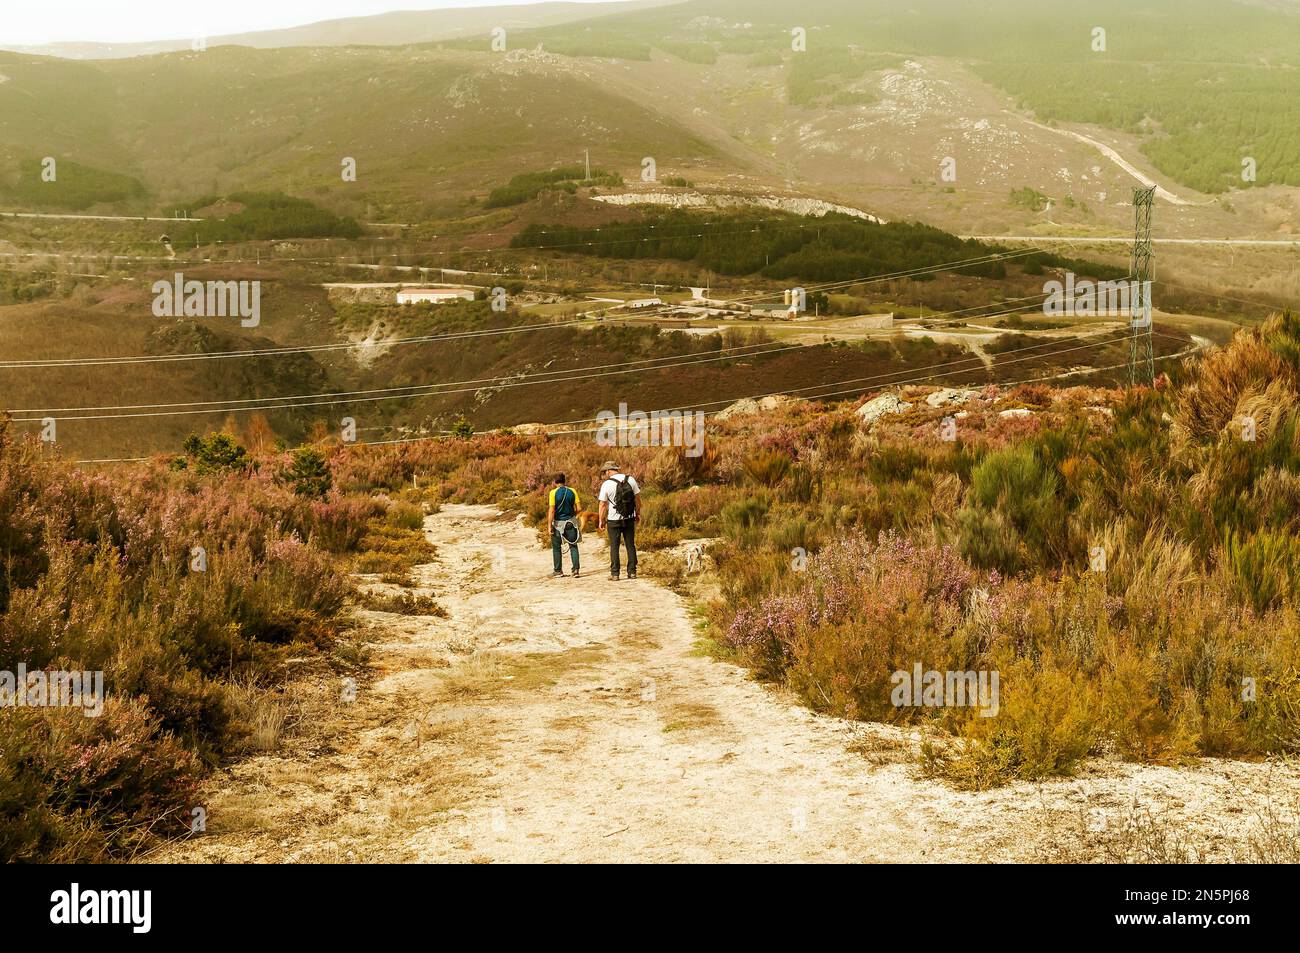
pixel 433 295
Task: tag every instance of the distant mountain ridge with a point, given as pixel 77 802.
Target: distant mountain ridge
pixel 381 29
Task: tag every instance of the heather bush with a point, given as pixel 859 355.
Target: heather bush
pixel 276 597
pixel 99 578
pixel 858 613
pixel 1030 395
pixel 85 789
pixel 337 523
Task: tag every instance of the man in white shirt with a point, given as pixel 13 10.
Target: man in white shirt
pixel 620 508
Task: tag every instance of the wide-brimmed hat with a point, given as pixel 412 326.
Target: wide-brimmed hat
pixel 608 465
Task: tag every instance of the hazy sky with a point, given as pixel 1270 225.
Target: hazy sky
pixel 25 22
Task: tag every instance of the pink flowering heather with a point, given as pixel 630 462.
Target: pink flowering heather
pixel 855 581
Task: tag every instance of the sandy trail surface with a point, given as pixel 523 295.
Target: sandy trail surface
pixel 577 720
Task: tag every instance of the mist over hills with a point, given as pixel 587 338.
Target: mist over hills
pixel 395 28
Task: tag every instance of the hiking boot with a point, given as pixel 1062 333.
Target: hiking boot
pixel 631 575
pixel 613 577
pixel 575 574
pixel 557 574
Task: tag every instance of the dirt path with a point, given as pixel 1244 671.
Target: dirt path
pixel 1114 156
pixel 575 720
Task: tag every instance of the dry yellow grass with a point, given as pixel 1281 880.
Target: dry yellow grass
pixel 1244 368
pixel 266 714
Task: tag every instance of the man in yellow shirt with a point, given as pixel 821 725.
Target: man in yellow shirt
pixel 562 511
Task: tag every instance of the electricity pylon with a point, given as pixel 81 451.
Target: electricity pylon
pixel 1141 357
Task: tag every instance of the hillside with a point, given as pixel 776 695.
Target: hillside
pixel 1013 95
pixel 428 129
pixel 1145 73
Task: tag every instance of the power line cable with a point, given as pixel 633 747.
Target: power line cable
pixel 433 390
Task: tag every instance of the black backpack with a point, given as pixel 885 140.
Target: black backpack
pixel 624 498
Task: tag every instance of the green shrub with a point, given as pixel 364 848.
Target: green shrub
pixel 1265 567
pixel 1014 517
pixel 308 473
pixel 741 517
pixel 405 516
pixel 214 453
pixel 1046 725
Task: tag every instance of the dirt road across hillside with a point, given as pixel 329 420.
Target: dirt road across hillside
pixel 576 720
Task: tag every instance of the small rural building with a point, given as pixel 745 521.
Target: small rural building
pixel 433 295
pixel 644 303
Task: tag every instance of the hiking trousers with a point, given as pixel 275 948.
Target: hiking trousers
pixel 557 545
pixel 624 530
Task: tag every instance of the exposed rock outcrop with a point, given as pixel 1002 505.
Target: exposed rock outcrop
pixel 882 406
